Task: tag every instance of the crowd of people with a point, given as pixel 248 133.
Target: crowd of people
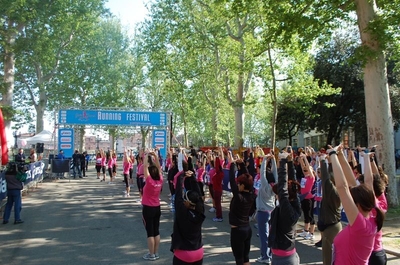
pixel 275 189
pixel 279 188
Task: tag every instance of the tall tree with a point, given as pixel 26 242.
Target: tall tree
pixel 378 108
pixel 47 29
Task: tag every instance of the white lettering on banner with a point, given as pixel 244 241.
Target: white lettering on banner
pixel 137 117
pixel 109 116
pixel 3 186
pixel 66 139
pixel 160 133
pixel 65 146
pixel 66 133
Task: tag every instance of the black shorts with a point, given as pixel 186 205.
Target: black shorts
pixel 98 168
pixel 151 220
pixel 140 183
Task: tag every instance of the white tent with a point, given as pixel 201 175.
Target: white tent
pixel 44 136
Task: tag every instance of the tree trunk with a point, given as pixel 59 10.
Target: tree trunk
pixel 9 64
pixel 239 121
pixel 40 109
pixel 214 124
pixel 377 101
pixel 274 98
pixel 81 139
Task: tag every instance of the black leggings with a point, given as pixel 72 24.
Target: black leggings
pixel 240 243
pixel 177 261
pixel 126 180
pixel 307 207
pixel 378 258
pixel 151 220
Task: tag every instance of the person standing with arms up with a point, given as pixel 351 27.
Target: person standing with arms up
pixel 329 215
pixel 284 218
pixel 187 243
pixel 239 209
pixel 265 202
pixel 151 211
pixel 354 244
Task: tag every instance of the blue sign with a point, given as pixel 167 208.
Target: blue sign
pixel 160 141
pixel 35 172
pixel 3 185
pixel 66 141
pixel 112 117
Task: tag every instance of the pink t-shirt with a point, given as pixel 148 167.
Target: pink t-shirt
pixel 103 161
pixel 111 162
pixel 176 178
pixel 353 245
pixel 140 170
pixel 168 163
pixel 199 174
pixel 126 166
pixel 151 191
pixel 306 185
pixel 381 203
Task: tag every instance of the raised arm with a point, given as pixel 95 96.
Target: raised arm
pixel 348 172
pixel 145 166
pixel 343 187
pixel 180 160
pixel 232 179
pixel 368 175
pixel 263 171
pixel 221 154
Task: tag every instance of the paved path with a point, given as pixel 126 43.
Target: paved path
pixel 85 221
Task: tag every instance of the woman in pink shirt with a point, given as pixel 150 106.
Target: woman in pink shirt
pixel 374 181
pixel 354 244
pixel 103 164
pixel 126 165
pixel 139 175
pixel 307 204
pixel 151 210
pixel 112 167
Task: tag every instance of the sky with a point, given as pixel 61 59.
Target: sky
pixel 130 12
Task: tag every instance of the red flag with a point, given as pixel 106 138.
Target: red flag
pixel 3 141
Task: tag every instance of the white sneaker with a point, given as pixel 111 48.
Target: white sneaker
pixel 303 234
pixel 264 261
pixel 309 236
pixel 127 195
pixel 149 256
pixel 212 210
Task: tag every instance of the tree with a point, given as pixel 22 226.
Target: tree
pixel 336 65
pixel 37 34
pixel 377 100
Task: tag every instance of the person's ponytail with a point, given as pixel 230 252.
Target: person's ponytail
pixel 380 217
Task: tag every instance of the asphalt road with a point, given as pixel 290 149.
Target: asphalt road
pixel 85 221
